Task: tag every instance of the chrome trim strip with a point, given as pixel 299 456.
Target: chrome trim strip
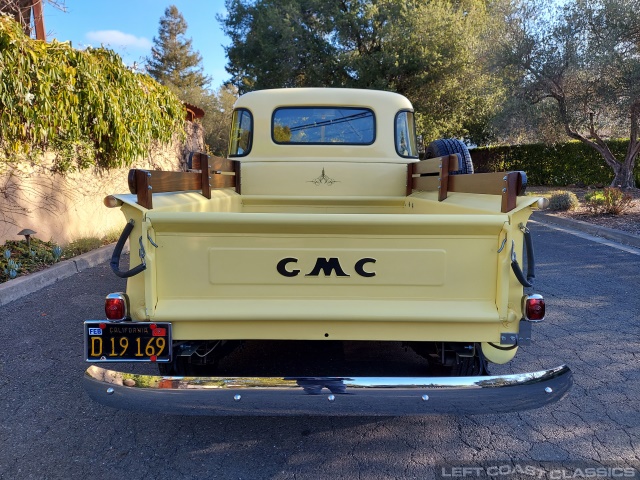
pixel 334 396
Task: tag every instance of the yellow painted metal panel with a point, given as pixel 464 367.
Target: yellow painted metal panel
pixel 150 279
pixel 248 245
pixel 255 260
pixel 320 178
pixel 346 330
pixel 417 267
pixel 262 310
pixel 346 224
pixel 335 320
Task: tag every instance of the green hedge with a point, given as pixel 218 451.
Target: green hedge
pixel 571 163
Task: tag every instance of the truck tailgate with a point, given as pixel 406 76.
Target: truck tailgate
pixel 307 268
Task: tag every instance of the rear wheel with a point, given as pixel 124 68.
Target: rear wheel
pixel 440 148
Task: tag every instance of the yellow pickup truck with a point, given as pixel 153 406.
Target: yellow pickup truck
pixel 325 233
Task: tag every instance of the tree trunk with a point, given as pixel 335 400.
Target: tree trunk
pixel 623 171
pixel 624 177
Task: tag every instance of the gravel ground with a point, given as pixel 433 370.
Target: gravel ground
pixel 628 222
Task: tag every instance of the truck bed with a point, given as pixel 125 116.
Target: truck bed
pixel 433 270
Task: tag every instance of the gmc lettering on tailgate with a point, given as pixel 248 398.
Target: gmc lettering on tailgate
pixel 286 267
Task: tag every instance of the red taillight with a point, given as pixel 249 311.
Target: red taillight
pixel 115 306
pixel 533 308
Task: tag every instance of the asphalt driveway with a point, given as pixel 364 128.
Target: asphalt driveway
pixel 49 428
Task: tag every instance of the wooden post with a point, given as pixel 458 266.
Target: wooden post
pixel 205 172
pixel 410 172
pixel 143 188
pixel 510 188
pixel 38 20
pixel 443 179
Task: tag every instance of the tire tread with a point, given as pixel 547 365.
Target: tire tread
pixel 448 146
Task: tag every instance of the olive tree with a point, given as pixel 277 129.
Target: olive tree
pixel 579 65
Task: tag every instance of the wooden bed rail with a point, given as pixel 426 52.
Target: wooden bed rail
pixel 205 173
pixel 433 174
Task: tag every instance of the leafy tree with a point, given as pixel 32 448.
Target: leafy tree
pixel 579 69
pixel 219 119
pixel 279 43
pixel 429 51
pixel 218 108
pixel 173 62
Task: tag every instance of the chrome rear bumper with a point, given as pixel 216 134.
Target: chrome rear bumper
pixel 337 396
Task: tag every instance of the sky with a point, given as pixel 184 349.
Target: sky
pixel 128 27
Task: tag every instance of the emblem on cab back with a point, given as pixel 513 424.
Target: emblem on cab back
pixel 323 179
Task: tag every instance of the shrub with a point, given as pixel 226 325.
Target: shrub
pixel 570 163
pixel 610 201
pixel 111 236
pixel 82 245
pixel 563 201
pixel 10 267
pixel 18 257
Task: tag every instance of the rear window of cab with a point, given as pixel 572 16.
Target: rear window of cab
pixel 323 126
pixel 405 134
pixel 241 136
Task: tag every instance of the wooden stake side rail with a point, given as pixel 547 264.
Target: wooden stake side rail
pixel 224 173
pixel 211 174
pixel 434 175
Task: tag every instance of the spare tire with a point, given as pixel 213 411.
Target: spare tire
pixel 440 148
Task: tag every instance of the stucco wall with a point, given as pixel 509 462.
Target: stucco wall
pixel 64 208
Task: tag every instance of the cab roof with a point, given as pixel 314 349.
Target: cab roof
pixel 385 106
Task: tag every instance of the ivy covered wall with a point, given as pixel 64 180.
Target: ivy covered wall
pixel 84 105
pixel 71 124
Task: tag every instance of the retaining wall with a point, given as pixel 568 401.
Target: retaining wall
pixel 64 208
